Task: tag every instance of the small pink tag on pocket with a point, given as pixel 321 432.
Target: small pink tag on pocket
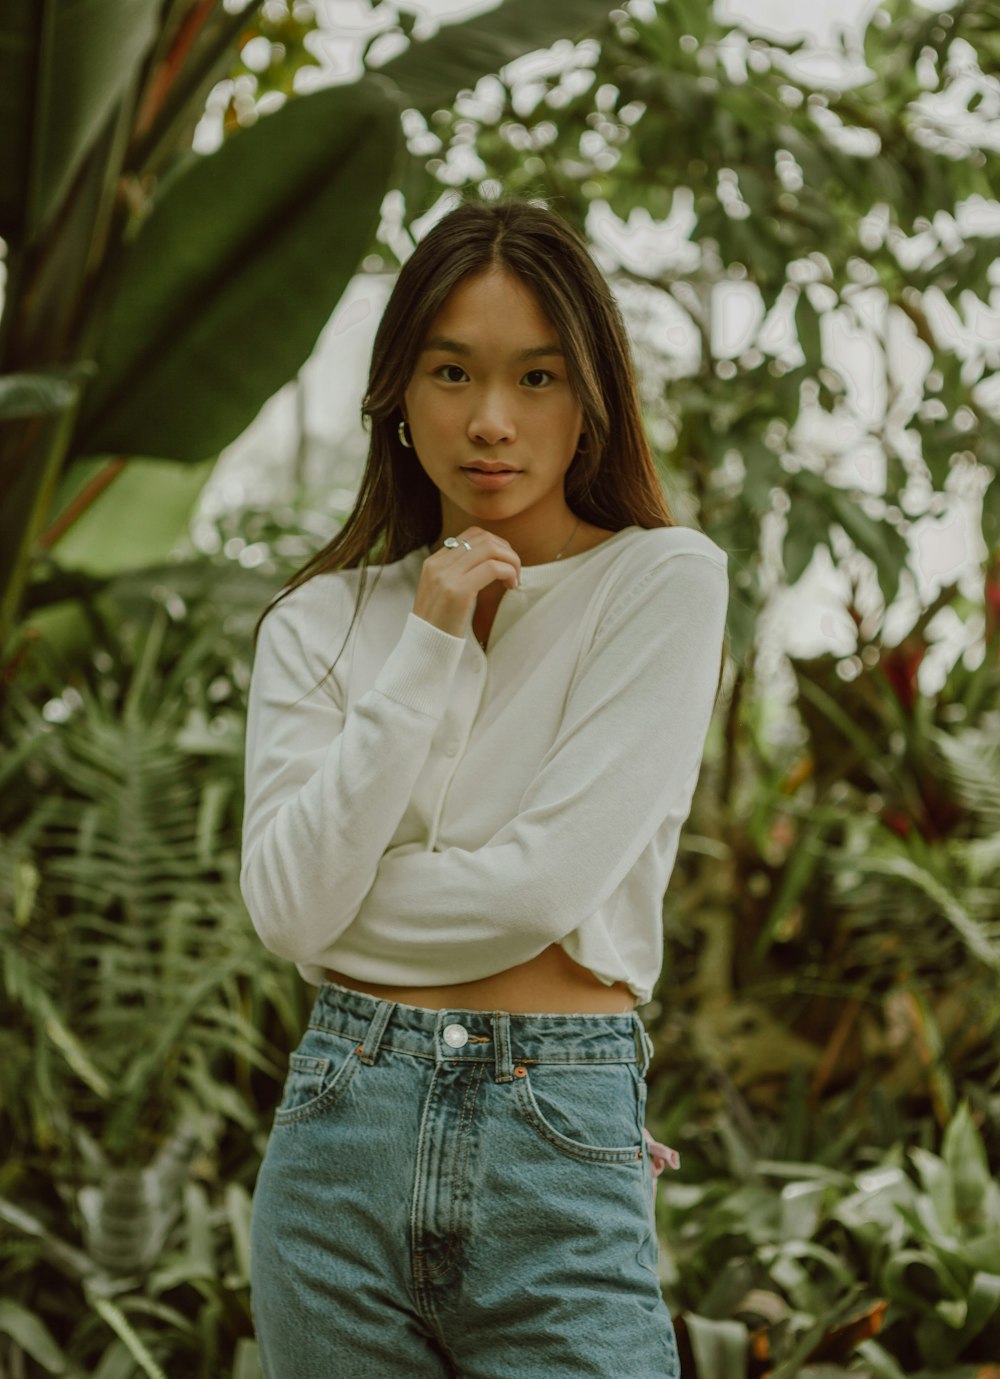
pixel 661 1155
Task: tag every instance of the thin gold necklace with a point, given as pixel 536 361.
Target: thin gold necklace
pixel 558 556
pixel 571 535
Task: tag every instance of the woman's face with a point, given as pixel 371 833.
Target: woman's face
pixel 490 393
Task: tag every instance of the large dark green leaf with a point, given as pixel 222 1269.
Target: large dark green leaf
pixel 63 70
pixel 429 74
pixel 234 274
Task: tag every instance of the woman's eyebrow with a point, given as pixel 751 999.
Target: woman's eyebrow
pixel 457 347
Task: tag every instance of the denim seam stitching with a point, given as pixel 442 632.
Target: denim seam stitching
pixel 457 1058
pixel 422 1295
pixel 436 1271
pixel 327 1098
pixel 468 1111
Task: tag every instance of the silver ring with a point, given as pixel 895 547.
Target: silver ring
pixel 452 541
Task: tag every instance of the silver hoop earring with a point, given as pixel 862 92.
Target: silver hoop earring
pixel 401 432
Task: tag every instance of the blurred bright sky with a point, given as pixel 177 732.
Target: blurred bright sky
pixel 316 426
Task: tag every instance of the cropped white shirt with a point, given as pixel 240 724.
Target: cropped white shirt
pixel 432 813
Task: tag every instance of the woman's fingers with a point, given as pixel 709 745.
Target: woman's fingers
pixel 453 577
pixel 484 546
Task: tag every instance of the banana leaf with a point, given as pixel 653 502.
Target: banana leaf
pixel 243 256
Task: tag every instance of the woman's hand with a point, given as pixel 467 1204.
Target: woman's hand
pixel 452 578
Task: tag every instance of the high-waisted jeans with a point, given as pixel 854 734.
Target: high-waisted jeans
pixel 459 1193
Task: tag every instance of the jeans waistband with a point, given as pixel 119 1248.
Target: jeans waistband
pixel 498 1037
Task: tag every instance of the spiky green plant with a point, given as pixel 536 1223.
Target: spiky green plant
pixel 144 1025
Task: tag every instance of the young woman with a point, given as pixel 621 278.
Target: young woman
pixel 461 830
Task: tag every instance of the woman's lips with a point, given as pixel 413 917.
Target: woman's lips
pixel 498 479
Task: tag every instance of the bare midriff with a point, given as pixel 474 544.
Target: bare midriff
pixel 551 984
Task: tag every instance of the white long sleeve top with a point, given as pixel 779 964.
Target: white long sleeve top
pixel 431 813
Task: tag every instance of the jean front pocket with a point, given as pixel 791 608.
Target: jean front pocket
pixel 587 1111
pixel 318 1079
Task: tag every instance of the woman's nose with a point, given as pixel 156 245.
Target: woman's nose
pixel 491 421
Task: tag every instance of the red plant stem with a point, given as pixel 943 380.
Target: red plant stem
pixel 166 74
pixel 834 1048
pixel 82 501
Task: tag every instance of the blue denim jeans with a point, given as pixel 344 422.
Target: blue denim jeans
pixel 459 1193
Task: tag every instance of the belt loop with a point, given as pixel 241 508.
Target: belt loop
pixel 368 1051
pixel 501 1046
pixel 644 1048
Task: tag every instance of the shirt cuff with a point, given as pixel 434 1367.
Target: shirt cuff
pixel 420 668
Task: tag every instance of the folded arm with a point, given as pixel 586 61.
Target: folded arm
pixel 325 789
pixel 625 760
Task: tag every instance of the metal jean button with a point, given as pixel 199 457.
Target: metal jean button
pixel 456 1036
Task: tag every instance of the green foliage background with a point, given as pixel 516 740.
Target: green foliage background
pixel 826 1025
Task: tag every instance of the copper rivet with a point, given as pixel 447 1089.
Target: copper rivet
pixel 520 1070
pixel 359 1048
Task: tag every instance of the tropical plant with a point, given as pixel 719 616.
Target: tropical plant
pixel 156 298
pixel 145 1027
pixel 847 932
pixel 889 1268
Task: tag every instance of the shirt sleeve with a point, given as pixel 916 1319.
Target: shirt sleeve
pixel 325 788
pixel 625 761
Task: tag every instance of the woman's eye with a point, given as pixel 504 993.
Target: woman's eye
pixel 537 378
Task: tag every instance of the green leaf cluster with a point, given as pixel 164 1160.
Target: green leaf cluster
pixel 811 194
pixel 156 298
pixel 799 1268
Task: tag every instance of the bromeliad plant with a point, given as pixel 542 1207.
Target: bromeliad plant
pixel 787 1269
pixel 885 872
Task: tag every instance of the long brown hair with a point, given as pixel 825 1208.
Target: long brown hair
pixel 612 483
